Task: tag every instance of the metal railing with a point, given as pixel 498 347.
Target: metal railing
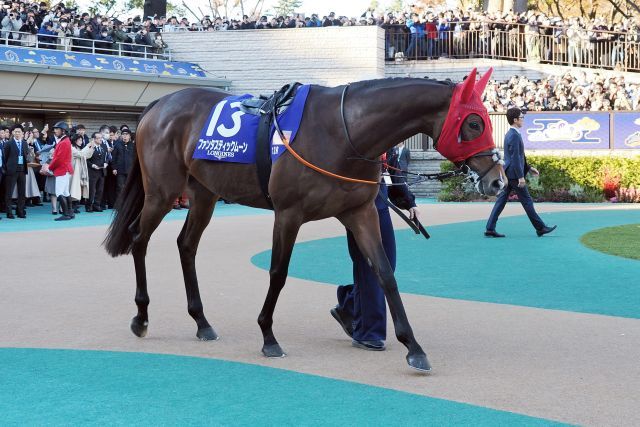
pixel 569 46
pixel 82 45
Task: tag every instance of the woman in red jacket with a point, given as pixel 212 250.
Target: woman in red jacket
pixel 62 169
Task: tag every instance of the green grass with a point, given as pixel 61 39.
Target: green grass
pixel 622 241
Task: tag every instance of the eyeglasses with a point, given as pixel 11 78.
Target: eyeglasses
pixel 521 117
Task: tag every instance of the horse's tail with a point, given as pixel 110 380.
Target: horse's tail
pixel 119 240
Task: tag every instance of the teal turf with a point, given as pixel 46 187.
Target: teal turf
pixel 553 272
pixel 67 387
pixel 40 218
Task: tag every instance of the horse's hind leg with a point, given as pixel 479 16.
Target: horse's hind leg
pixel 154 209
pixel 285 231
pixel 202 202
pixel 364 225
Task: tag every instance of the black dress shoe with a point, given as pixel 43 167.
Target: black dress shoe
pixel 545 230
pixel 10 216
pixel 343 319
pixel 23 216
pixel 369 345
pixel 492 233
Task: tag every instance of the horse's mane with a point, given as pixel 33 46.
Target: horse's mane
pixel 391 82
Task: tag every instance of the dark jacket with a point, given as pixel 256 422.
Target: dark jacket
pixel 123 156
pixel 99 158
pixel 10 157
pixel 515 162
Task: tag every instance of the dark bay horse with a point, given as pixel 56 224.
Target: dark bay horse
pixel 378 114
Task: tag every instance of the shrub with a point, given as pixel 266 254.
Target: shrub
pixel 574 179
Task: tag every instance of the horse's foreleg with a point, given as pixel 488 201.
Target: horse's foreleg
pixel 285 231
pixel 202 202
pixel 364 225
pixel 153 211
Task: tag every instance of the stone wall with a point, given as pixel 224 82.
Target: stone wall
pixel 261 61
pixel 425 162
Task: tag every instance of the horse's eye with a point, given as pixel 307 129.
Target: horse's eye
pixel 474 125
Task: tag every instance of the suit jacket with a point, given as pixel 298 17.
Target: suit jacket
pixel 515 162
pixel 123 156
pixel 399 160
pixel 10 156
pixel 99 158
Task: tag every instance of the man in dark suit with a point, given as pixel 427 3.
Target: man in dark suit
pixel 400 157
pixel 4 136
pixel 97 164
pixel 14 156
pixel 516 168
pixel 124 151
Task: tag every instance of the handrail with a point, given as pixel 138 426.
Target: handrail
pixel 82 45
pixel 586 48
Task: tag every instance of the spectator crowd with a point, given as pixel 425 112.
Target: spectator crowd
pixel 572 91
pixel 32 24
pixel 99 165
pixel 420 33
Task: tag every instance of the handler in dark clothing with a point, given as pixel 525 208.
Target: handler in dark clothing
pixel 97 164
pixel 124 151
pixel 14 156
pixel 361 309
pixel 516 168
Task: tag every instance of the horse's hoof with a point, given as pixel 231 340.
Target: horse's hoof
pixel 273 350
pixel 139 328
pixel 207 334
pixel 419 362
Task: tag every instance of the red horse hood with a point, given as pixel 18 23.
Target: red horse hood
pixel 466 100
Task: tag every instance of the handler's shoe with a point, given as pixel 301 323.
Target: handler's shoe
pixel 369 345
pixel 545 230
pixel 343 319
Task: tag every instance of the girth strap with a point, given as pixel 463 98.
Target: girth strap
pixel 263 156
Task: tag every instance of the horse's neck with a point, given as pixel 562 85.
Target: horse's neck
pixel 383 116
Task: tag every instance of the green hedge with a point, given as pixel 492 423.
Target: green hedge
pixel 565 179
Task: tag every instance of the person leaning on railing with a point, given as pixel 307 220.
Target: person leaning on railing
pixel 121 38
pixel 11 25
pixel 29 30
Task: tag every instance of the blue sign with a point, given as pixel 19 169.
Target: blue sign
pixel 573 131
pixel 230 134
pixel 626 131
pixel 87 61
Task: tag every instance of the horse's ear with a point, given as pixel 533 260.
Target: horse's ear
pixel 482 83
pixel 468 85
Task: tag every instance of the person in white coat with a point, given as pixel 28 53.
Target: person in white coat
pixel 79 186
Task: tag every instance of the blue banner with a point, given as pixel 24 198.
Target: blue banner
pixel 626 130
pixel 574 131
pixel 87 61
pixel 230 134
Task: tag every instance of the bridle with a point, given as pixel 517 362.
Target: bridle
pixel 474 177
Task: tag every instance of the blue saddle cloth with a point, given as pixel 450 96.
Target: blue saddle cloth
pixel 230 134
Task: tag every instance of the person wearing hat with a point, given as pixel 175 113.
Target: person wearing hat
pixel 62 169
pixel 124 151
pixel 14 156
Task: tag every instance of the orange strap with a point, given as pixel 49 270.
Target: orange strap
pixel 322 171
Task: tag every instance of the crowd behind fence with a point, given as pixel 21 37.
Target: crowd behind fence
pixel 571 46
pixel 84 45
